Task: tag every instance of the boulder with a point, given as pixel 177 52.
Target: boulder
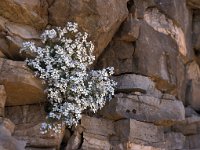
pixel 20 84
pixel 32 13
pixel 145 108
pixel 136 83
pixel 138 132
pixel 100 19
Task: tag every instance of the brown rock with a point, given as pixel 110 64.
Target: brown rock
pixel 95 142
pixel 97 126
pixel 20 84
pixel 2 100
pixel 97 132
pixel 136 83
pixel 166 67
pixel 145 108
pixel 7 142
pixel 26 114
pixel 193 71
pixel 193 94
pixel 129 30
pixel 194 3
pixel 119 55
pixel 11 42
pixel 100 19
pixel 162 24
pixel 28 119
pixel 74 141
pixel 190 126
pixel 31 133
pixel 138 132
pixel 32 13
pixel 133 146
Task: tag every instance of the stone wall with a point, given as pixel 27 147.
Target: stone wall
pixel 154 46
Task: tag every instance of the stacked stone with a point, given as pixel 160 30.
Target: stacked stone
pixel 154 46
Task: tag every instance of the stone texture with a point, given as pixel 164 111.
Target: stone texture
pixel 14 35
pixel 136 83
pixel 75 140
pixel 194 3
pixel 32 13
pixel 166 67
pixel 97 132
pixel 119 55
pixel 138 132
pixel 193 71
pixel 20 84
pixel 97 126
pixel 133 146
pixel 28 119
pixel 7 142
pixel 100 19
pixel 129 30
pixel 164 25
pixel 193 94
pixel 194 141
pixel 174 141
pixel 145 108
pixel 190 126
pixel 2 100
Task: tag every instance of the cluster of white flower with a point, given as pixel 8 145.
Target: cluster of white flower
pixel 63 63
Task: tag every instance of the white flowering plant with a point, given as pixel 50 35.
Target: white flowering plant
pixel 63 63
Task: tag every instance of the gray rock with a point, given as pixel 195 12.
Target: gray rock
pixel 174 141
pixel 133 82
pixel 193 94
pixel 138 132
pixel 145 108
pixel 98 126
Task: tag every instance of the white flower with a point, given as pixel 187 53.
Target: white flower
pixel 63 63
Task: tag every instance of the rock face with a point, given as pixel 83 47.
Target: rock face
pixel 20 84
pixel 100 19
pixel 154 46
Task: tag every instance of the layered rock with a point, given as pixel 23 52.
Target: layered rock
pixel 20 84
pixel 28 121
pixel 145 108
pixel 100 19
